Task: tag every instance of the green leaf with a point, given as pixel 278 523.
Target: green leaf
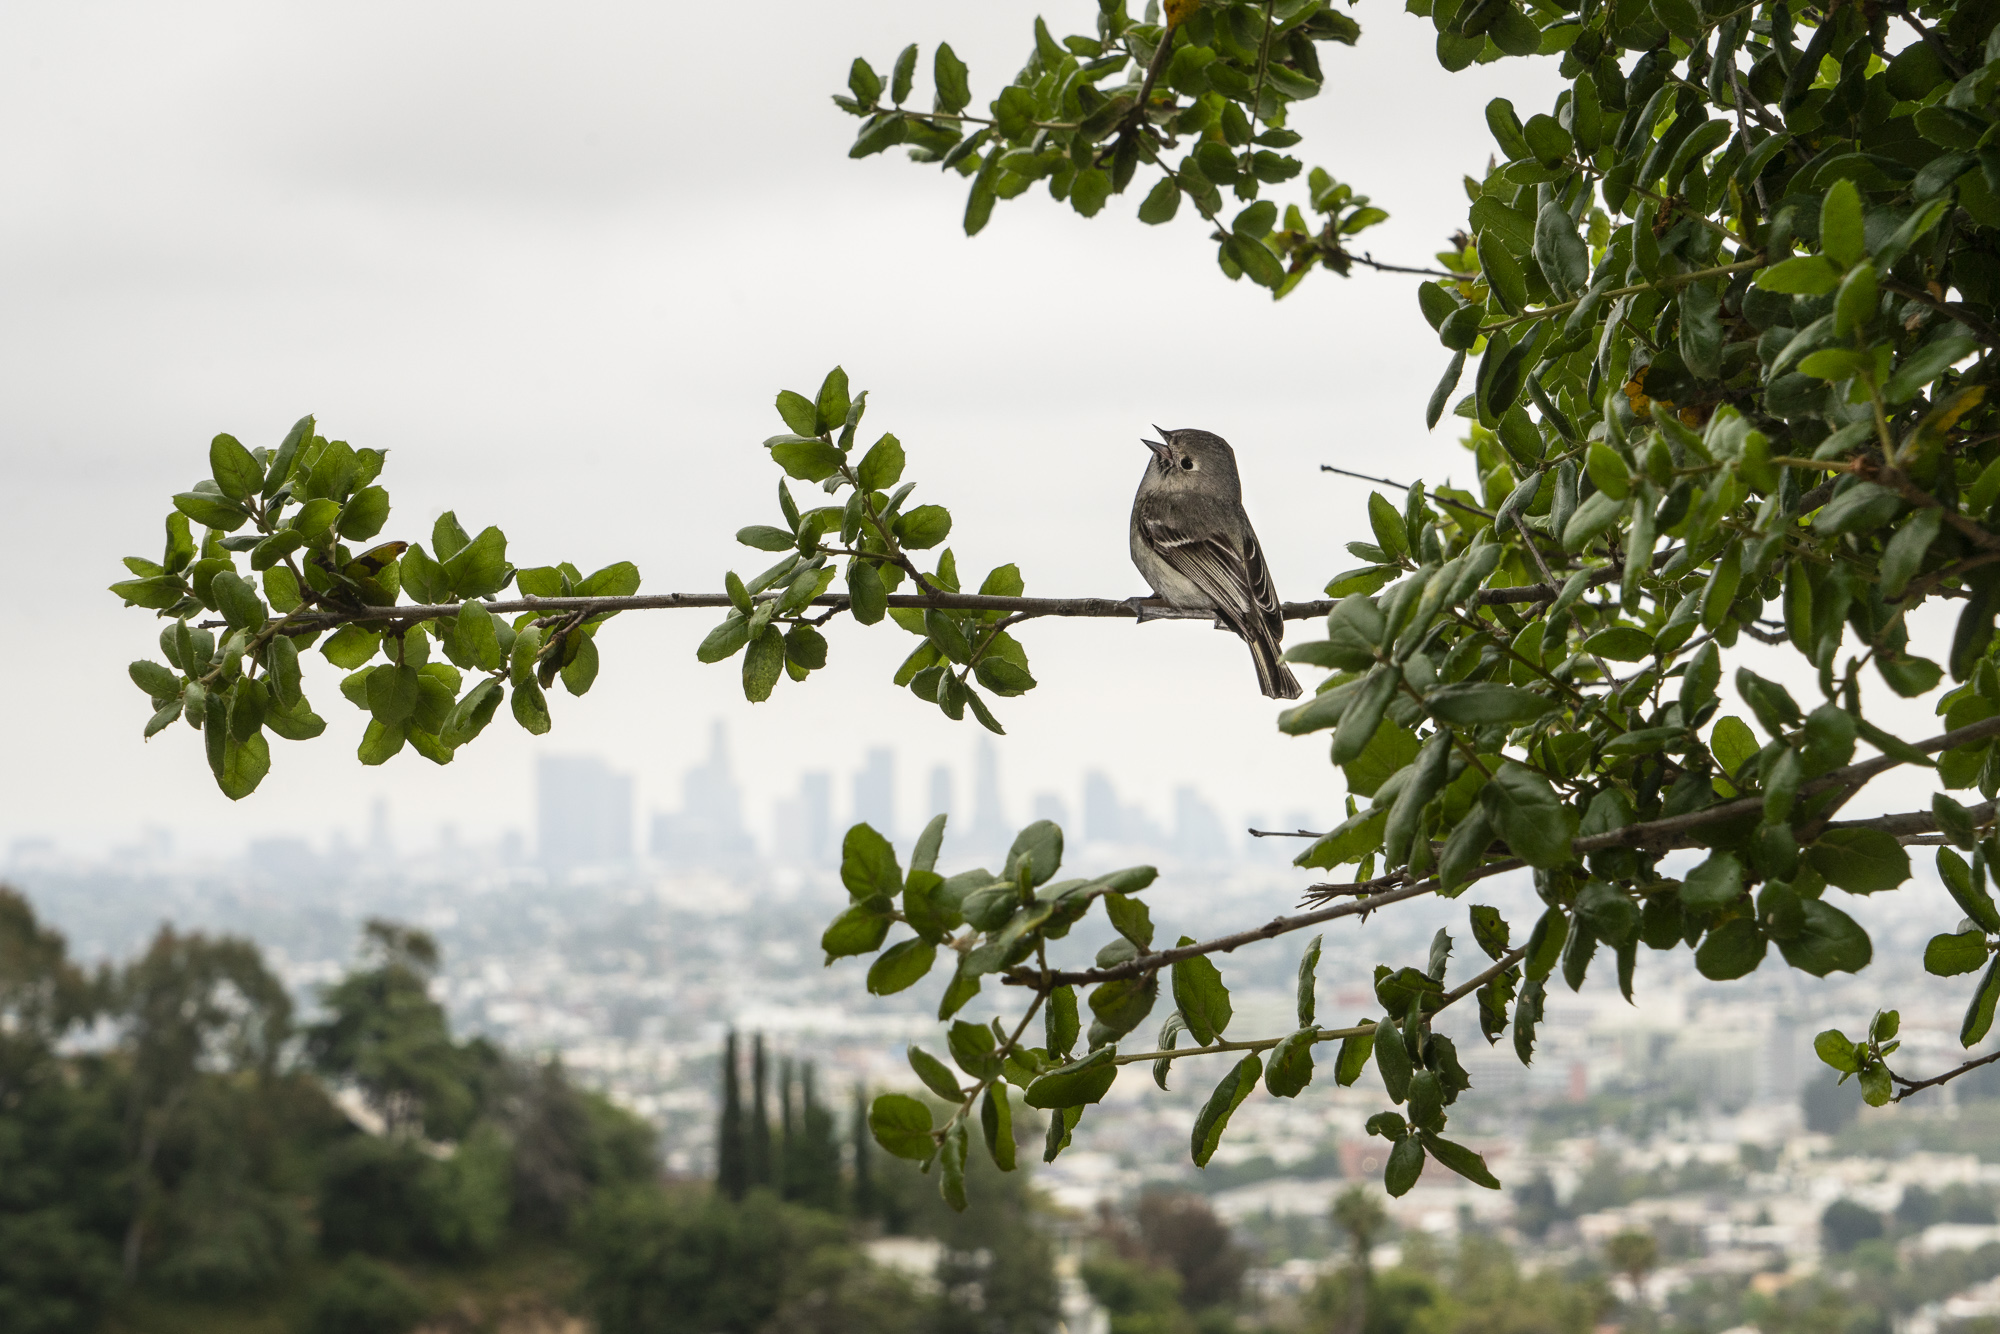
pixel 859 929
pixel 1392 1059
pixel 1524 810
pixel 364 514
pixel 245 761
pixel 868 864
pixel 531 708
pixel 1802 275
pixel 764 537
pixel 1950 955
pixel 1971 897
pixel 830 410
pixel 234 468
pixel 1353 1058
pixel 1830 941
pixel 1860 861
pixel 1461 1160
pixel 1075 1085
pixel 1039 847
pixel 798 413
pixel 901 966
pixel 1840 231
pixel 996 1122
pixel 1732 743
pixel 923 527
pixel 157 681
pixel 882 467
pixel 1061 1026
pixel 1130 919
pixel 808 460
pixel 936 1075
pixel 902 1126
pixel 1308 982
pixel 1730 951
pixel 1201 997
pixel 1406 1164
pixel 763 664
pixel 954 93
pixel 868 597
pixel 951 1168
pixel 381 742
pixel 1715 883
pixel 479 568
pixel 972 1047
pixel 1291 1067
pixel 1559 251
pixel 1979 1014
pixel 1214 1116
pixel 1483 703
pixel 1924 365
pixel 1387 523
pixel 1620 643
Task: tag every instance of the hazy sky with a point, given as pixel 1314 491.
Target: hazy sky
pixel 557 261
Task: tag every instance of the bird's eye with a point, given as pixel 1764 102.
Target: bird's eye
pixel 1188 463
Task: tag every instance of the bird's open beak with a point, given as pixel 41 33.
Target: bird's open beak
pixel 1161 450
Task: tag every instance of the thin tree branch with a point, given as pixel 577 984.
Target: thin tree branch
pixel 1963 314
pixel 1667 833
pixel 1115 608
pixel 1918 1085
pixel 1366 258
pixel 1383 481
pixel 1451 997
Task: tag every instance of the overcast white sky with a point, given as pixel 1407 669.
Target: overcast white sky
pixel 558 260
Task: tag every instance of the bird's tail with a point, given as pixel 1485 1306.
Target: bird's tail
pixel 1273 677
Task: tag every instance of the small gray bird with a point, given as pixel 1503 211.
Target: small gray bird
pixel 1194 544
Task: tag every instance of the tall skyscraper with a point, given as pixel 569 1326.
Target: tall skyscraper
pixel 1102 815
pixel 583 812
pixel 990 829
pixel 804 835
pixel 1049 806
pixel 941 793
pixel 1198 832
pixel 1106 819
pixel 875 792
pixel 708 828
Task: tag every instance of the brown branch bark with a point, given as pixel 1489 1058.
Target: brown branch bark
pixel 1155 608
pixel 1910 1086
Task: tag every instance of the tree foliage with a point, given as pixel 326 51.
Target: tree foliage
pixel 1728 305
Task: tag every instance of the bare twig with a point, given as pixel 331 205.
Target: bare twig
pixel 1366 258
pixel 1400 486
pixel 1963 314
pixel 1918 1085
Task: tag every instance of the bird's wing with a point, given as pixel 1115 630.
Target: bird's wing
pixel 1263 593
pixel 1239 589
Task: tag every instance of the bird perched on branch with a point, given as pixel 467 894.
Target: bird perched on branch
pixel 1194 544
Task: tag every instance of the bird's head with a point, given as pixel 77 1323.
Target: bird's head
pixel 1189 454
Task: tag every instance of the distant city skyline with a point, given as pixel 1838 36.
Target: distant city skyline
pixel 586 811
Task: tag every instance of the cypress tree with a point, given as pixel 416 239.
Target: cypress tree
pixel 788 1140
pixel 864 1202
pixel 762 1171
pixel 814 1167
pixel 732 1165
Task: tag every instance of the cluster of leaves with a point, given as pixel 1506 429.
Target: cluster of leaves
pixel 1732 303
pixel 1213 82
pixel 1731 300
pixel 997 924
pixel 303 503
pixel 876 534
